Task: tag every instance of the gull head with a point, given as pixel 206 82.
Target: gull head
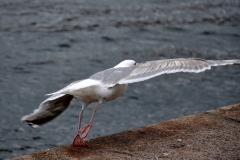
pixel 126 63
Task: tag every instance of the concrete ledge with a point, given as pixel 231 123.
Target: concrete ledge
pixel 211 135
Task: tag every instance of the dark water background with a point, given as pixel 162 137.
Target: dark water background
pixel 45 45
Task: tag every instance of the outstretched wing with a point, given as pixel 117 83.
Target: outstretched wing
pixel 48 110
pixel 146 70
pixel 151 69
pixel 76 86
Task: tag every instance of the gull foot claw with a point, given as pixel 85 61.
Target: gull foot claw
pixel 78 141
pixel 82 133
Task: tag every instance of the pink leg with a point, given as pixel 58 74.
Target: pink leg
pixel 84 130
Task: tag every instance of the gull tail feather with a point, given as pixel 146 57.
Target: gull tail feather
pixel 48 110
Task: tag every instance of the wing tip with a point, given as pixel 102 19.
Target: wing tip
pixel 49 94
pixel 25 119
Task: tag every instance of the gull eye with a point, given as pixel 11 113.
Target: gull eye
pixel 135 64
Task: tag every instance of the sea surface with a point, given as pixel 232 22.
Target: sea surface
pixel 45 45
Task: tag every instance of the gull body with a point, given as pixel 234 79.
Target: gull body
pixel 109 84
pixel 94 91
pixel 107 93
pixel 90 90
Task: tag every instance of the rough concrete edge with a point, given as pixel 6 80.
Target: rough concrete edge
pixel 229 113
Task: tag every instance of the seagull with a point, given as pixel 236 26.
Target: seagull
pixel 109 84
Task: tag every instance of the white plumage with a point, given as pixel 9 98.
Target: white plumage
pixel 110 84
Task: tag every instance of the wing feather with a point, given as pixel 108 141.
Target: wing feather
pixel 48 110
pixel 150 69
pixel 76 86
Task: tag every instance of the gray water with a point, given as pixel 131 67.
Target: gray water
pixel 45 45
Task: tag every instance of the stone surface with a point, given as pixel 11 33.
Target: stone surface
pixel 210 135
pixel 231 112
